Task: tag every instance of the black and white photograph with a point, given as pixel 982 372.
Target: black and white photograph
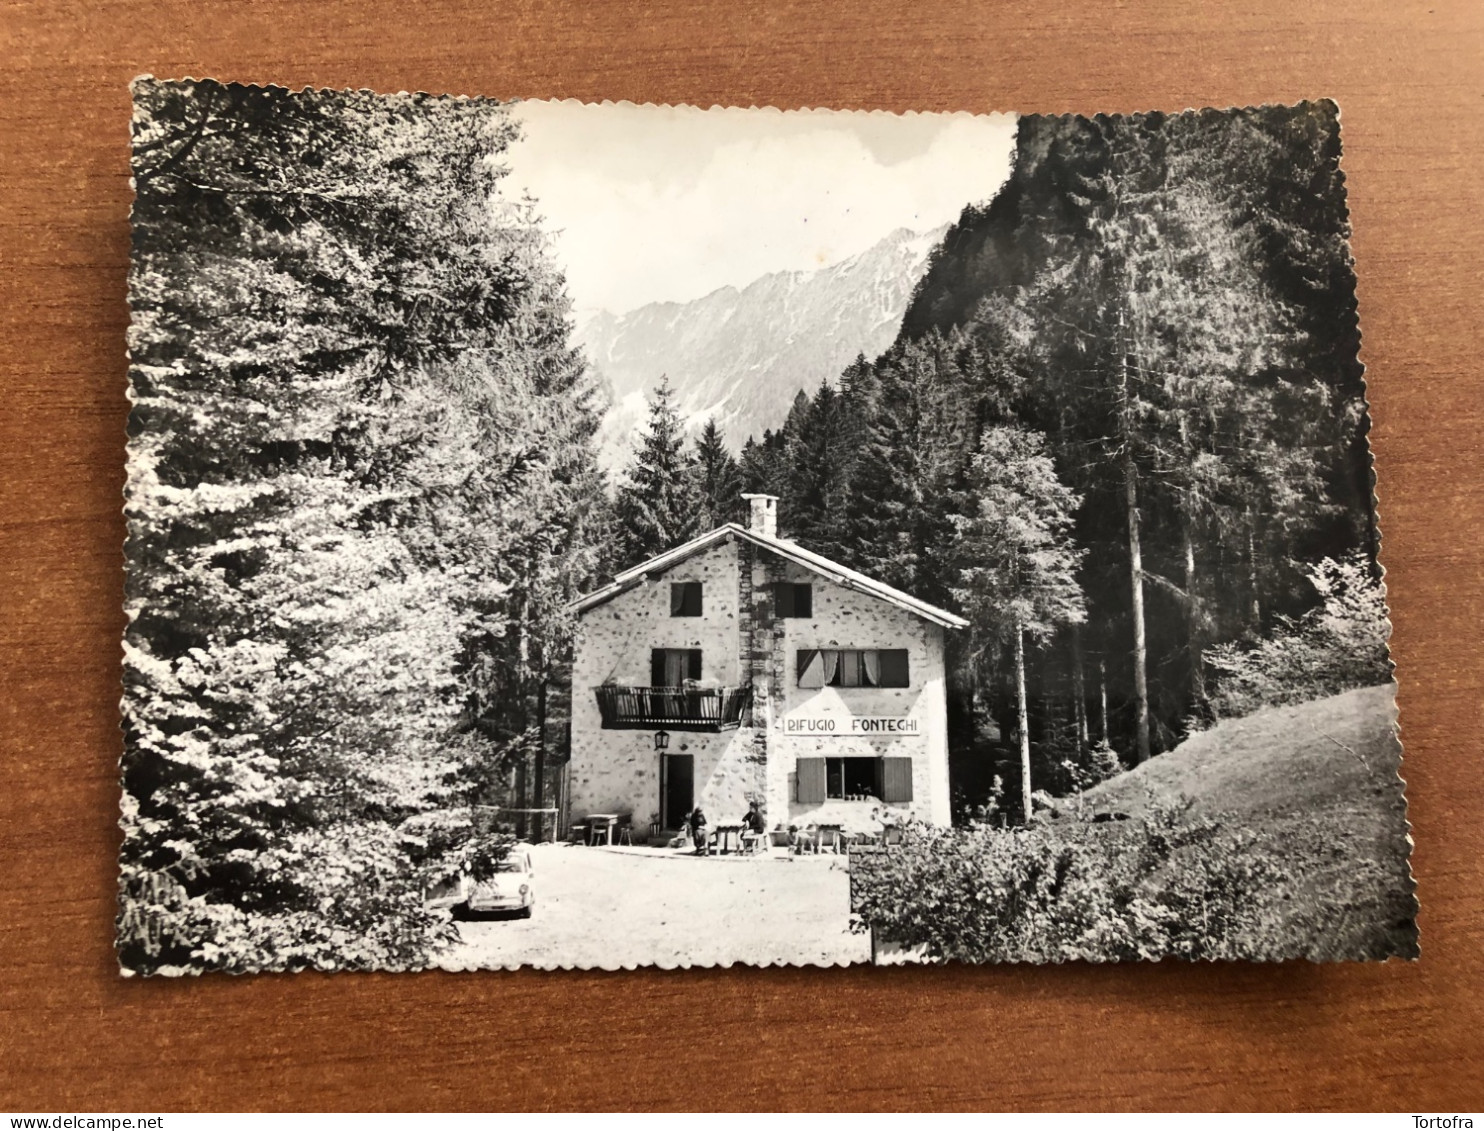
pixel 578 535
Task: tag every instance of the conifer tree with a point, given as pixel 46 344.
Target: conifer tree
pixel 1017 562
pixel 916 433
pixel 347 353
pixel 658 505
pixel 1153 345
pixel 763 465
pixel 820 462
pixel 718 480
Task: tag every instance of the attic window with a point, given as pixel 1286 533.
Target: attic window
pixel 685 599
pixel 794 599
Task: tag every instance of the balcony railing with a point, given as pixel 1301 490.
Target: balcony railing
pixel 672 708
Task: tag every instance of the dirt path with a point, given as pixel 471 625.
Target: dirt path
pixel 596 907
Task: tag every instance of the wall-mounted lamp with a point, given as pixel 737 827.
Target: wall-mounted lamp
pixel 662 740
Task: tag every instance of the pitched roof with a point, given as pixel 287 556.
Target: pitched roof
pixel 792 551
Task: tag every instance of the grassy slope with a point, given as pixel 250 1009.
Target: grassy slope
pixel 1319 784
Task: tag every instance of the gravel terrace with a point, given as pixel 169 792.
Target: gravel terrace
pixel 629 907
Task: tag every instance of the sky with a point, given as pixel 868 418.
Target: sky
pixel 669 203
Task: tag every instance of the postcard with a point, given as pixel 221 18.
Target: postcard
pixel 575 535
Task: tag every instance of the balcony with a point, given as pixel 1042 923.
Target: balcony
pixel 672 708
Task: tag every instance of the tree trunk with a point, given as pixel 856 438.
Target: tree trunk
pixel 1256 601
pixel 1079 690
pixel 539 786
pixel 1135 558
pixel 1025 731
pixel 520 795
pixel 523 708
pixel 1103 699
pixel 1193 626
pixel 1136 611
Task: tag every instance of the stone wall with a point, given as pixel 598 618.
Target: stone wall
pixel 618 771
pixel 741 640
pixel 844 618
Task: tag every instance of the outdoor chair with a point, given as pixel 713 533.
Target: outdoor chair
pixel 831 835
pixel 577 834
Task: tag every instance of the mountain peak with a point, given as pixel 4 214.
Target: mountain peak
pixel 741 354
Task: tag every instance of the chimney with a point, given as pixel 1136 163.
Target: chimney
pixel 764 514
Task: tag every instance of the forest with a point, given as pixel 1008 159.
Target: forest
pixel 1122 431
pixel 361 494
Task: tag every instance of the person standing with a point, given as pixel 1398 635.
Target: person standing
pixel 697 823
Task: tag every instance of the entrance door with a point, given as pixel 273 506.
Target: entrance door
pixel 677 789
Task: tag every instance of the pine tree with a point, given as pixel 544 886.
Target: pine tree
pixel 657 506
pixel 718 480
pixel 1148 334
pixel 819 464
pixel 1017 562
pixel 915 434
pixel 763 466
pixel 338 363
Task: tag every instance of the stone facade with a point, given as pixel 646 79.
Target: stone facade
pixel 742 641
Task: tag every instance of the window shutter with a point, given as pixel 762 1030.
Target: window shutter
pixel 896 780
pixel 656 667
pixel 810 666
pixel 893 663
pixel 693 663
pixel 811 781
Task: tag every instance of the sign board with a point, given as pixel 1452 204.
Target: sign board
pixel 854 726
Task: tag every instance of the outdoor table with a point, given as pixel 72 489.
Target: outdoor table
pixel 728 833
pixel 601 824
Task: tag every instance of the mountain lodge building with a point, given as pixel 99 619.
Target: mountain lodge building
pixel 743 667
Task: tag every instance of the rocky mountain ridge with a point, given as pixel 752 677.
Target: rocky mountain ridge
pixel 741 355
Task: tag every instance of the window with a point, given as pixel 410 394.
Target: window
pixel 671 667
pixel 850 777
pixel 878 779
pixel 852 667
pixel 685 599
pixel 894 668
pixel 794 599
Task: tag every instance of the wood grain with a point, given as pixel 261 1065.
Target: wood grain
pixel 73 1035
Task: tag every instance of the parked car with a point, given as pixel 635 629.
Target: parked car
pixel 511 888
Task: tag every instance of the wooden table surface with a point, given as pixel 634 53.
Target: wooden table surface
pixel 73 1036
